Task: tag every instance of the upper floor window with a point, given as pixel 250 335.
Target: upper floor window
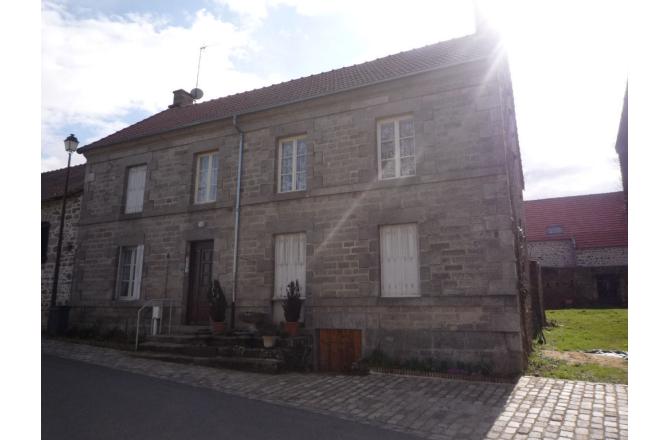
pixel 292 164
pixel 206 177
pixel 129 272
pixel 396 148
pixel 134 195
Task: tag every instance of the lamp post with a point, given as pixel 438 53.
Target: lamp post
pixel 54 323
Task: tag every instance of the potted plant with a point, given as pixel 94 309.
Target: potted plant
pixel 292 306
pixel 217 308
pixel 269 333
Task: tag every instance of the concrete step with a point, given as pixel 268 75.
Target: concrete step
pixel 179 348
pixel 193 339
pixel 193 349
pixel 189 329
pixel 204 339
pixel 271 366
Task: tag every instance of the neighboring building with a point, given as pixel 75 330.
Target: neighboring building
pixel 53 186
pixel 622 144
pixel 392 190
pixel 581 245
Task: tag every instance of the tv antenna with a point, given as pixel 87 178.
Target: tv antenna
pixel 197 93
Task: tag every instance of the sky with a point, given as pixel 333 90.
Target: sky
pixel 108 64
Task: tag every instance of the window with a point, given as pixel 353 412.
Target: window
pixel 554 230
pixel 206 178
pixel 134 197
pixel 129 272
pixel 396 148
pixel 290 261
pixel 292 164
pixel 399 261
pixel 46 226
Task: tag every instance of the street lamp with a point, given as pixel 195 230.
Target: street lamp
pixel 55 322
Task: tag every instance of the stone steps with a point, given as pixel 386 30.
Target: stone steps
pixel 212 350
pixel 271 366
pixel 244 351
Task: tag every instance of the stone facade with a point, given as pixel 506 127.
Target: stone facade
pixel 466 200
pixel 571 276
pixel 51 214
pixel 557 253
pixel 612 256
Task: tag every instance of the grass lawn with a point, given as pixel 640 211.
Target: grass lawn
pixel 579 330
pixel 587 329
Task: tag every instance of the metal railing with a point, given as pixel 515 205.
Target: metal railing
pixel 151 303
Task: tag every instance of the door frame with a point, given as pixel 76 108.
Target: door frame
pixel 188 280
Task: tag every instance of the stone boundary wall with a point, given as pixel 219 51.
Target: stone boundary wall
pixel 51 213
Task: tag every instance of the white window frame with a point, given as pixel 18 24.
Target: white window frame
pixel 293 172
pixel 212 181
pixel 283 275
pixel 129 190
pixel 392 274
pixel 397 147
pixel 136 266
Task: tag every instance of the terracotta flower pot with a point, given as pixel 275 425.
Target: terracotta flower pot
pixel 217 328
pixel 292 328
pixel 269 341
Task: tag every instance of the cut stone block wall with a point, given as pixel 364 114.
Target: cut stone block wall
pixel 51 210
pixel 460 199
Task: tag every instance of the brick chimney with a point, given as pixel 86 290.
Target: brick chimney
pixel 181 99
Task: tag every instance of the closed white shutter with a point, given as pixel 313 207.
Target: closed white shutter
pixel 139 261
pixel 399 260
pixel 290 262
pixel 134 199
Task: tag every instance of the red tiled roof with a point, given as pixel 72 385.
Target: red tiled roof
pixel 594 221
pixel 53 182
pixel 414 61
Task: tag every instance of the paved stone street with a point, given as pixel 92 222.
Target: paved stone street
pixel 432 408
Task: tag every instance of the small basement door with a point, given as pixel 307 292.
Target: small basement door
pixel 338 349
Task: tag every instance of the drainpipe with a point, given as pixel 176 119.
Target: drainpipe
pixel 237 207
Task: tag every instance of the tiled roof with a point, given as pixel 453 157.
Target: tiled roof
pixel 53 182
pixel 414 61
pixel 594 221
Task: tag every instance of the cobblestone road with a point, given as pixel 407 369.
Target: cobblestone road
pixel 433 408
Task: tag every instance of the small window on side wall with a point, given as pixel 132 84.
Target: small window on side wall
pixel 399 260
pixel 396 148
pixel 292 164
pixel 134 194
pixel 130 261
pixel 206 180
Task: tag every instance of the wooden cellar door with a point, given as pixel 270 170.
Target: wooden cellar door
pixel 338 349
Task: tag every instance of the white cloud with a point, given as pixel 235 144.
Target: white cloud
pixel 568 62
pixel 96 71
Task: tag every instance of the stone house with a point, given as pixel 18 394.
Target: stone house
pixel 53 186
pixel 392 190
pixel 581 245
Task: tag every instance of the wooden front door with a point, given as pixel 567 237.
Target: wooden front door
pixel 200 279
pixel 338 349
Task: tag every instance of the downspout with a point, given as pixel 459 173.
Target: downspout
pixel 237 207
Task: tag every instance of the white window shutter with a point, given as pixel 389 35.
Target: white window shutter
pixel 118 271
pixel 134 198
pixel 399 262
pixel 139 260
pixel 290 262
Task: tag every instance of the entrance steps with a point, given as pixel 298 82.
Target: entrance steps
pixel 239 351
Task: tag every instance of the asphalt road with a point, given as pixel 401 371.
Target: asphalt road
pixel 84 401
